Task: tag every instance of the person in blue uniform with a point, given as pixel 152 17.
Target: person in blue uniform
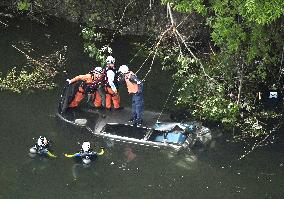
pixel 86 154
pixel 42 147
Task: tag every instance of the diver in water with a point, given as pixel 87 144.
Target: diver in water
pixel 41 148
pixel 86 154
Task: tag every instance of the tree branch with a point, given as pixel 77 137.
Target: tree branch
pixel 240 83
pixel 28 57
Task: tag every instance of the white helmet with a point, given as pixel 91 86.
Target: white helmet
pixel 110 60
pixel 86 146
pixel 123 69
pixel 97 70
pixel 42 141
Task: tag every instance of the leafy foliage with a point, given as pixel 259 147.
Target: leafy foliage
pixel 91 41
pixel 37 74
pixel 23 5
pixel 247 56
pixel 26 81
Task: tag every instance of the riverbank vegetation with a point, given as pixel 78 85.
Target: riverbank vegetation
pixel 223 55
pixel 37 73
pixel 245 60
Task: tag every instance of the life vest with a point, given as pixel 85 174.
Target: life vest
pixel 131 87
pixel 91 87
pixel 87 154
pixel 116 74
pixel 41 150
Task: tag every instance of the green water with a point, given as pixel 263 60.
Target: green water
pixel 125 171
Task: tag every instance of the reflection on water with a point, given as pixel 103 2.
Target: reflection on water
pixel 78 169
pixel 187 161
pixel 129 154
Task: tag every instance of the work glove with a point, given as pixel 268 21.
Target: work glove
pixel 68 80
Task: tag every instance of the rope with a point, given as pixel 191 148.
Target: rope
pixel 120 20
pixel 156 50
pixel 162 35
pixel 136 54
pixel 164 105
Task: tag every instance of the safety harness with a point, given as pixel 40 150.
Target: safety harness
pixel 91 88
pixel 115 81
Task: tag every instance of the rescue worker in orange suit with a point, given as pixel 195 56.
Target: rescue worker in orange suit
pixel 111 88
pixel 92 84
pixel 134 87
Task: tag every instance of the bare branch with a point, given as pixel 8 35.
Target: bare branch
pixel 257 144
pixel 240 83
pixel 120 20
pixel 175 30
pixel 28 57
pixel 280 70
pixel 156 50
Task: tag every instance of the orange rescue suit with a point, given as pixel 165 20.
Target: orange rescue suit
pixel 88 79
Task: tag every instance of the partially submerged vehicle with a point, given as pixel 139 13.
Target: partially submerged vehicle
pixel 167 134
pixel 174 135
pixel 114 125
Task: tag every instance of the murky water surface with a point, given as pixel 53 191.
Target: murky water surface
pixel 125 171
